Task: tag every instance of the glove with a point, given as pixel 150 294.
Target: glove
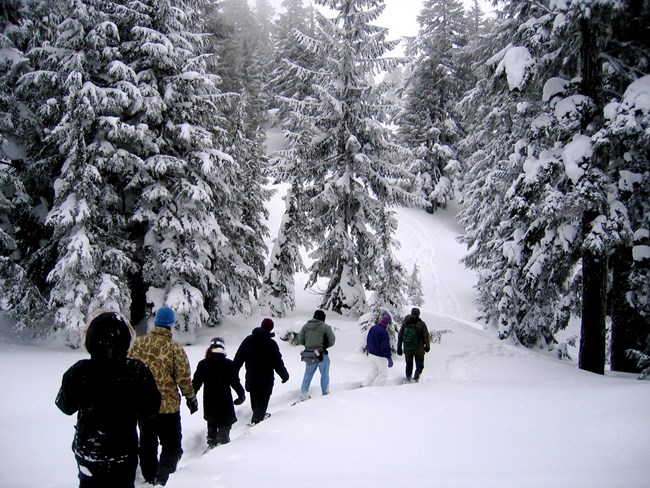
pixel 284 380
pixel 427 349
pixel 390 362
pixel 239 400
pixel 399 351
pixel 192 404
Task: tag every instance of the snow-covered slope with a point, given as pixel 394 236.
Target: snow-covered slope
pixel 485 414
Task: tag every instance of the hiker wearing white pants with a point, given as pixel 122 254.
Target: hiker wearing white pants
pixel 379 353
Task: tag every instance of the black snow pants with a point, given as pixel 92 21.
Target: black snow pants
pixel 166 429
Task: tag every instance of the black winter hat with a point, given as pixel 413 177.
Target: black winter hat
pixel 108 336
pixel 415 311
pixel 319 315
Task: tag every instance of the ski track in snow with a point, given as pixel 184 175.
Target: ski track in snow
pixel 439 295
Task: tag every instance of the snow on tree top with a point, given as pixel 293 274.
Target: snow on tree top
pixel 514 62
pixel 637 95
pixel 553 87
pixel 574 153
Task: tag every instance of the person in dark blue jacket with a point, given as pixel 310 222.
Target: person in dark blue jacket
pixel 219 376
pixel 262 357
pixel 109 392
pixel 379 353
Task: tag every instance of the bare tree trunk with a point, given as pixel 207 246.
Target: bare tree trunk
pixel 629 329
pixel 594 309
pixel 594 262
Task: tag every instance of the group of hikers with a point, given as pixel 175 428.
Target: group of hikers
pixel 135 383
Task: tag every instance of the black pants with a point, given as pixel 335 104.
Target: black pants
pixel 166 428
pixel 218 434
pixel 113 475
pixel 259 403
pixel 419 365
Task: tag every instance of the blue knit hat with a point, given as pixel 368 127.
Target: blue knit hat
pixel 164 317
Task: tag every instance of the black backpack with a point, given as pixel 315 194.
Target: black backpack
pixel 410 338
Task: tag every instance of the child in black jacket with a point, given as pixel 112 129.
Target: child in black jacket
pixel 218 375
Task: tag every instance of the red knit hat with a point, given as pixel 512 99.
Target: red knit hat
pixel 267 324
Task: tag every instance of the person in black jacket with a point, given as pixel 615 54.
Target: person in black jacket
pixel 415 350
pixel 218 375
pixel 262 357
pixel 109 392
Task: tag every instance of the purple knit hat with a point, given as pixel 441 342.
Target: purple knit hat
pixel 385 319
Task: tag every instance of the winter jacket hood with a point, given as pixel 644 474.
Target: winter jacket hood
pixel 108 335
pixel 260 333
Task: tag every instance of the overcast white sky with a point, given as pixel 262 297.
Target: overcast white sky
pixel 400 15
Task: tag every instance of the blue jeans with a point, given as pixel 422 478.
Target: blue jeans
pixel 324 368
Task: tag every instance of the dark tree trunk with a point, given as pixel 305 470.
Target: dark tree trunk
pixel 594 262
pixel 331 300
pixel 594 310
pixel 629 329
pixel 138 301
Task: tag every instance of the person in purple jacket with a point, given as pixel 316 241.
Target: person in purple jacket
pixel 379 353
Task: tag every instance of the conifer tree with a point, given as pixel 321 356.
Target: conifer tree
pixel 427 124
pixel 348 156
pixel 242 220
pixel 289 79
pixel 278 289
pixel 136 152
pixel 390 291
pixel 556 205
pixel 185 176
pixel 241 56
pixel 24 113
pixel 93 255
pixel 625 135
pixel 414 294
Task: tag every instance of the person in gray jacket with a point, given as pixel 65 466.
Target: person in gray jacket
pixel 317 337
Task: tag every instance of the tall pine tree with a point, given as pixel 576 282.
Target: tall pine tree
pixel 427 124
pixel 348 155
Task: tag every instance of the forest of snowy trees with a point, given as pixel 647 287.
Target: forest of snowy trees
pixel 133 168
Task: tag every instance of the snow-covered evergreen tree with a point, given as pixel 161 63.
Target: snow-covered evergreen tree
pixel 414 294
pixel 242 220
pixel 427 124
pixel 626 137
pixel 184 179
pixel 348 154
pixel 493 126
pixel 243 54
pixel 88 225
pixel 556 207
pixel 391 286
pixel 291 56
pixel 277 295
pixel 24 112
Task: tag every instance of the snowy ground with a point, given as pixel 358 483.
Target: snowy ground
pixel 485 414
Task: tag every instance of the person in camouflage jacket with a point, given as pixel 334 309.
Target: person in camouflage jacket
pixel 171 370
